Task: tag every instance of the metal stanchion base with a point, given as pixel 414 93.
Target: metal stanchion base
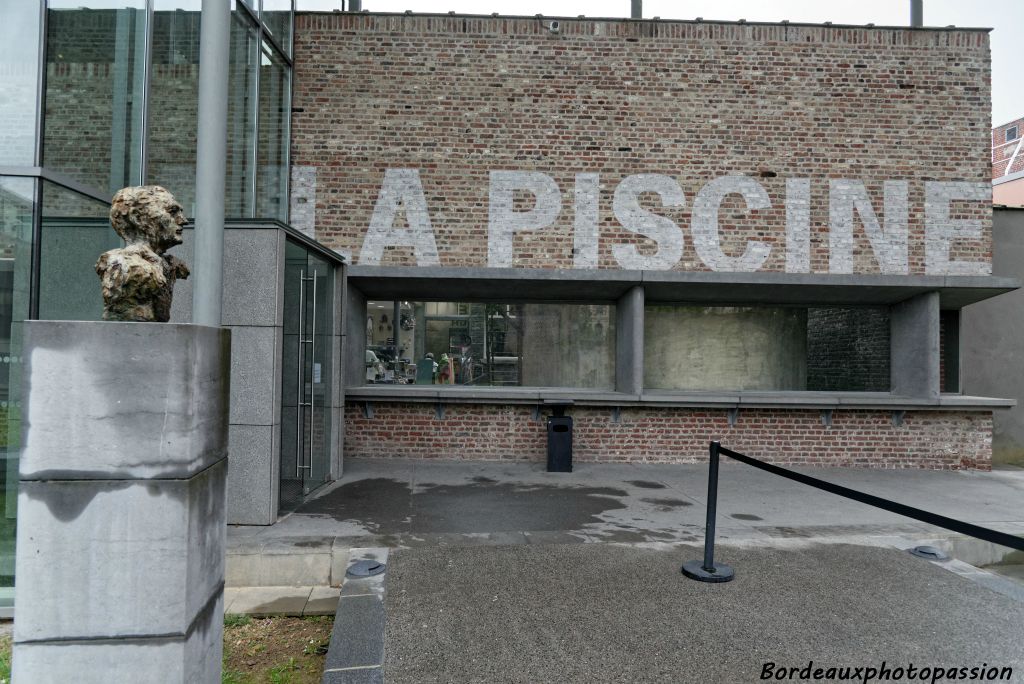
pixel 695 570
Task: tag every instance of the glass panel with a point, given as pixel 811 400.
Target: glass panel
pixel 174 101
pixel 848 349
pixel 319 313
pixel 20 45
pixel 724 348
pixel 238 201
pixel 16 217
pixel 272 199
pixel 307 375
pixel 95 85
pixel 277 21
pixel 291 377
pixel 75 231
pixel 535 345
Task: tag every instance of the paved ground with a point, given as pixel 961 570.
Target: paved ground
pixel 395 503
pixel 494 573
pixel 611 613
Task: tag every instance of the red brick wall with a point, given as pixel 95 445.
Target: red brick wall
pixel 1002 151
pixel 865 438
pixel 456 97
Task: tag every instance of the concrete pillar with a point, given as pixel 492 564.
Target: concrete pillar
pixel 354 363
pixel 914 346
pixel 121 509
pixel 629 342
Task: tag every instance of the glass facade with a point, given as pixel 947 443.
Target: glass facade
pixel 122 92
pixel 459 343
pixel 96 95
pixel 20 50
pixel 95 89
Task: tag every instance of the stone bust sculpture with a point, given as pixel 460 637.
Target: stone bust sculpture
pixel 138 280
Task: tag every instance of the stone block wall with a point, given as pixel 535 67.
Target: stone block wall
pixel 947 440
pixel 450 99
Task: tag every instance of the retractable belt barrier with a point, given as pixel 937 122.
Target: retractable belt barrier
pixel 708 571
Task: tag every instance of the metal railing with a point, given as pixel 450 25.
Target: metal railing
pixel 709 571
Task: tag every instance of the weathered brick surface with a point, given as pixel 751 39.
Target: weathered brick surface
pixel 1004 149
pixel 860 438
pixel 457 97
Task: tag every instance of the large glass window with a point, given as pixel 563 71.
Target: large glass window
pixel 459 343
pixel 95 88
pixel 241 116
pixel 20 46
pixel 17 202
pixel 277 20
pixel 275 92
pixel 75 230
pixel 174 99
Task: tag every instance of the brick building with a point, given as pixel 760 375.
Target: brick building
pixel 680 230
pixel 774 252
pixel 1008 164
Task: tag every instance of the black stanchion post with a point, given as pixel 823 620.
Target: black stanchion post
pixel 707 571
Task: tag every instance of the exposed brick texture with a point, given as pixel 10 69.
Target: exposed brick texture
pixel 864 438
pixel 457 97
pixel 1004 149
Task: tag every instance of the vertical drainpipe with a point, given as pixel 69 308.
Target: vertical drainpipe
pixel 636 9
pixel 211 153
pixel 917 13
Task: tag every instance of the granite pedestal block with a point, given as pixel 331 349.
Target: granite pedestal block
pixel 121 521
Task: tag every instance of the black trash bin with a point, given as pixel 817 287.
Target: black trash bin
pixel 560 444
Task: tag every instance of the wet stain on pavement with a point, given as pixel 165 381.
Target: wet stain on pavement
pixel 745 516
pixel 671 503
pixel 388 506
pixel 645 484
pixel 480 479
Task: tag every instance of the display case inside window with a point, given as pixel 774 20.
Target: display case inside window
pixel 490 345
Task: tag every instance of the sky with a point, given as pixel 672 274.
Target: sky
pixel 1001 15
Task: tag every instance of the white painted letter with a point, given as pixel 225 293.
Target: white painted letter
pixel 636 219
pixel 704 225
pixel 940 230
pixel 503 223
pixel 401 187
pixel 798 225
pixel 889 244
pixel 585 233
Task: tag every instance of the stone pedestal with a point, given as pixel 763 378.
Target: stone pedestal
pixel 121 508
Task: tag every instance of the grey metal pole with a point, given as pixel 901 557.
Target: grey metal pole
pixel 636 9
pixel 211 155
pixel 917 12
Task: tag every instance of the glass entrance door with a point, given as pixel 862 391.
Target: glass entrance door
pixel 306 399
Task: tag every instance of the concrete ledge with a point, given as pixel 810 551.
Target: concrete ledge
pixel 608 285
pixel 667 398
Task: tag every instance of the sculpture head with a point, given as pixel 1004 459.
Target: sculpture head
pixel 147 214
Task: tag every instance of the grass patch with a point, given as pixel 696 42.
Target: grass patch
pixel 5 660
pixel 278 650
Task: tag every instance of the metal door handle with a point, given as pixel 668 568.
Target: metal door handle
pixel 312 373
pixel 300 386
